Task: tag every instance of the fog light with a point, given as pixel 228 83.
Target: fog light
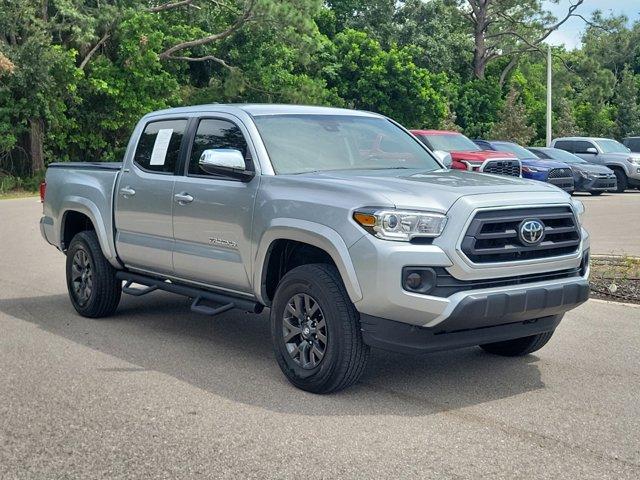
pixel 419 279
pixel 413 281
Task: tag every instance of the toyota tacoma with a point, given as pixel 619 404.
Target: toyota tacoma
pixel 340 222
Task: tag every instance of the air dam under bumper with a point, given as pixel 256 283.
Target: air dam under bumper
pixel 480 318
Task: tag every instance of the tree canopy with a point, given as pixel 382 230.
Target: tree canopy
pixel 76 75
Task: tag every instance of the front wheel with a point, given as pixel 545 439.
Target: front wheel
pixel 595 194
pixel 315 330
pixel 91 280
pixel 518 346
pixel 621 178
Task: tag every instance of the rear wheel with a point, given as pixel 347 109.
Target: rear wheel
pixel 91 280
pixel 315 330
pixel 518 346
pixel 621 178
pixel 595 194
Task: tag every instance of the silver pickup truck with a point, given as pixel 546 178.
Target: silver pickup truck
pixel 340 222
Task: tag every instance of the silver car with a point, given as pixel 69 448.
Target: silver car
pixel 607 152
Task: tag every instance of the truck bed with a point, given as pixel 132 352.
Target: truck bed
pixel 88 165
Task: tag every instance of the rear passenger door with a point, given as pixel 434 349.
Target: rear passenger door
pixel 144 198
pixel 212 229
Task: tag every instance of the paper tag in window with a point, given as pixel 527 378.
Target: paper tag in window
pixel 160 147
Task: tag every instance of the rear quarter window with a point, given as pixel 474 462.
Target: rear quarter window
pixel 158 149
pixel 566 145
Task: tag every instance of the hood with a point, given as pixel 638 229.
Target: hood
pixel 590 168
pixel 622 156
pixel 479 156
pixel 412 189
pixel 542 164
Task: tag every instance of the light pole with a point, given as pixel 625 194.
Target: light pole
pixel 549 111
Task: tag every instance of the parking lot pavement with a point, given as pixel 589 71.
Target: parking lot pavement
pixel 613 220
pixel 158 392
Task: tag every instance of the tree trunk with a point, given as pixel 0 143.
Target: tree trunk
pixel 480 46
pixel 36 144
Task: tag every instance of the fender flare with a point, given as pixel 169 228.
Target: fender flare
pixel 314 234
pixel 85 206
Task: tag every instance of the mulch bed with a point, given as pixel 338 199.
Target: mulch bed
pixel 615 278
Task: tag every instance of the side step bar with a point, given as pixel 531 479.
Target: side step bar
pixel 222 301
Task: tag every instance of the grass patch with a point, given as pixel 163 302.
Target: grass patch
pixel 17 194
pixel 19 187
pixel 616 278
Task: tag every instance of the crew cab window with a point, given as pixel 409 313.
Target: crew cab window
pixel 581 146
pixel 215 133
pixel 566 145
pixel 159 146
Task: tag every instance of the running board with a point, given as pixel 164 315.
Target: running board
pixel 222 301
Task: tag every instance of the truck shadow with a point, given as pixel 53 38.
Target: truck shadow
pixel 231 356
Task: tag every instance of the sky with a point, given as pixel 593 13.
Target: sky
pixel 570 33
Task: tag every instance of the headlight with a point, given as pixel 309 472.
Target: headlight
pixel 400 225
pixel 533 169
pixel 634 160
pixel 578 207
pixel 584 174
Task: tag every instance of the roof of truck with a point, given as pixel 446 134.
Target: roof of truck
pixel 257 109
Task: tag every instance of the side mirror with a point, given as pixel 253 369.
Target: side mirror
pixel 591 150
pixel 444 157
pixel 226 161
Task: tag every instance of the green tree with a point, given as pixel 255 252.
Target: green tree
pixel 477 106
pixel 628 109
pixel 368 77
pixel 512 124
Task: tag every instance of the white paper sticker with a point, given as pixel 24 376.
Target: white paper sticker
pixel 160 147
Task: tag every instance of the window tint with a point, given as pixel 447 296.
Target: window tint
pixel 581 146
pixel 564 145
pixel 633 144
pixel 159 146
pixel 213 133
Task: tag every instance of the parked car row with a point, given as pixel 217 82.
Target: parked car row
pixel 580 164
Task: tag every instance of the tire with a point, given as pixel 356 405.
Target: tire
pixel 595 194
pixel 322 296
pixel 621 178
pixel 519 346
pixel 104 290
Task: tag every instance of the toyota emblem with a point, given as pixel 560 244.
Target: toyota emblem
pixel 531 232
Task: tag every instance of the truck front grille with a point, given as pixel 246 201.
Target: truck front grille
pixel 494 235
pixel 561 178
pixel 503 167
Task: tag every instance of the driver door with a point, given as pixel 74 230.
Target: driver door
pixel 213 213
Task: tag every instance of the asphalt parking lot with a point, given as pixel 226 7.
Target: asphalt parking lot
pixel 613 220
pixel 158 392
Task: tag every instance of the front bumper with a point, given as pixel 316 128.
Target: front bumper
pixel 403 338
pixel 596 184
pixel 633 174
pixel 378 265
pixel 564 183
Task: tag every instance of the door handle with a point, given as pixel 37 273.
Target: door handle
pixel 127 192
pixel 183 198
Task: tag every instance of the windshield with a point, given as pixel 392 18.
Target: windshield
pixel 563 156
pixel 612 146
pixel 300 143
pixel 520 152
pixel 451 142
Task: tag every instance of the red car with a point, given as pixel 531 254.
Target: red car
pixel 466 155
